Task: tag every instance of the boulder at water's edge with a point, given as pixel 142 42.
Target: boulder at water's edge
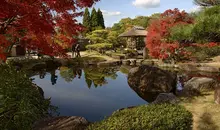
pixel 148 81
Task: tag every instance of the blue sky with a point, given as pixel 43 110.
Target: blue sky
pixel 114 10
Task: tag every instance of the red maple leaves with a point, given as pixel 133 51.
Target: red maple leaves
pixel 158 42
pixel 35 23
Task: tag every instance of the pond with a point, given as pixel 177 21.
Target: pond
pixel 92 93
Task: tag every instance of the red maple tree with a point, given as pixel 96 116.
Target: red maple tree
pixel 34 23
pixel 158 42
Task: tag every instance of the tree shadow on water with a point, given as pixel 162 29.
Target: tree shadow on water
pixel 206 122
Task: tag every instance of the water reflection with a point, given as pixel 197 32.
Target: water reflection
pixel 92 92
pixel 89 92
pixel 98 76
pixel 93 75
pixel 54 77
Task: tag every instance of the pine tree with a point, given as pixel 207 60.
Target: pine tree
pixel 101 21
pixel 94 19
pixel 207 2
pixel 86 20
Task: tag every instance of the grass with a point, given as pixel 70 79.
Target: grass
pixel 206 114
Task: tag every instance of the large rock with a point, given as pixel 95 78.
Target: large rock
pixel 148 81
pixel 200 84
pixel 62 123
pixel 166 98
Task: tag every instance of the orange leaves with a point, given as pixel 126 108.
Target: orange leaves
pixel 158 43
pixel 36 22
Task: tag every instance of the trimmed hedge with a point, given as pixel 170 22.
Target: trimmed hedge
pixel 21 103
pixel 150 117
pixel 99 47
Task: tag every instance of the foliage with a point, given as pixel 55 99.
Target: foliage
pixel 100 47
pixel 127 23
pixel 86 20
pixel 98 76
pixel 207 2
pixel 101 21
pixel 67 74
pixel 130 53
pixel 98 36
pixel 150 117
pixel 105 36
pixel 206 28
pixel 34 22
pixel 201 52
pixel 114 39
pixel 158 40
pixel 94 19
pixel 182 33
pixel 21 102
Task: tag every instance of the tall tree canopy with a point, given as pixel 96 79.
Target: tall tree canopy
pixel 207 2
pixel 159 30
pixel 86 20
pixel 101 21
pixel 34 23
pixel 94 19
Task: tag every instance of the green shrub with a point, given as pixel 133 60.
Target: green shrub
pixel 151 117
pixel 101 47
pixel 130 53
pixel 21 104
pixel 203 53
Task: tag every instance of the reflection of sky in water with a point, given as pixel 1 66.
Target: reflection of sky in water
pixel 76 99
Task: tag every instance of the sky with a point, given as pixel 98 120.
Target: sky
pixel 115 10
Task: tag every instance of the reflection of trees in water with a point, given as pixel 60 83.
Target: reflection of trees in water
pixel 93 75
pixel 97 75
pixel 68 74
pixel 53 77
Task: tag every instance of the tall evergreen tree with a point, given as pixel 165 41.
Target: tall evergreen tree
pixel 94 19
pixel 101 21
pixel 86 20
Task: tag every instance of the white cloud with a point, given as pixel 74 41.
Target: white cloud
pixel 109 13
pixel 146 3
pixel 195 9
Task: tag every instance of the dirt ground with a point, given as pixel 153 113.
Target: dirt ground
pixel 206 114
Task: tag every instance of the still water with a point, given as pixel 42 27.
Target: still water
pixel 93 93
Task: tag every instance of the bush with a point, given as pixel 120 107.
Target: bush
pixel 21 104
pixel 203 53
pixel 101 47
pixel 151 117
pixel 130 53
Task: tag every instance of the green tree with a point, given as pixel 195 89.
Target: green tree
pixel 98 36
pixel 207 2
pixel 94 19
pixel 206 28
pixel 141 21
pixel 101 21
pixel 86 20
